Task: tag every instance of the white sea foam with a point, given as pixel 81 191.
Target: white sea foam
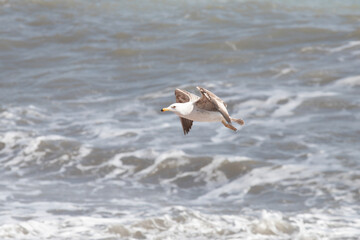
pixel 178 222
pixel 29 114
pixel 345 46
pixel 288 108
pixel 237 189
pixel 272 104
pixel 178 155
pixel 348 45
pixel 349 81
pixel 272 223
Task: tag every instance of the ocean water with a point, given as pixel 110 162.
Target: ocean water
pixel 86 153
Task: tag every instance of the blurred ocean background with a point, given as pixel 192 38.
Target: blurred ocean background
pixel 86 153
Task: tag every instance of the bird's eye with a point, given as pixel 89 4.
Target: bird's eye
pixel 173 107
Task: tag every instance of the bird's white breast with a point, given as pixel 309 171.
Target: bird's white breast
pixel 201 115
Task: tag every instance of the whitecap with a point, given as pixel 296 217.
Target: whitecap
pixel 285 71
pixel 349 81
pixel 288 108
pixel 272 223
pixel 344 47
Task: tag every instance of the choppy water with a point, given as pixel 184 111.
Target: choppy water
pixel 86 154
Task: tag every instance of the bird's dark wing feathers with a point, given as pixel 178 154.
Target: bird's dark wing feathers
pixel 210 102
pixel 186 124
pixel 183 96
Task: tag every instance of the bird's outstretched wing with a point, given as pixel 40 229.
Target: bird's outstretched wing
pixel 186 125
pixel 210 102
pixel 183 96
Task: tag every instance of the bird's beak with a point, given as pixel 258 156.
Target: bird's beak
pixel 165 109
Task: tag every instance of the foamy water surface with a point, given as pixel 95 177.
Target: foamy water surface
pixel 87 154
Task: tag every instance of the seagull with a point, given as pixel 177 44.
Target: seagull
pixel 207 108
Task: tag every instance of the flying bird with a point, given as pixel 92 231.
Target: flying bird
pixel 207 108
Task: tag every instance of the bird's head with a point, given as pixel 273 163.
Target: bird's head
pixel 173 108
pixel 178 108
